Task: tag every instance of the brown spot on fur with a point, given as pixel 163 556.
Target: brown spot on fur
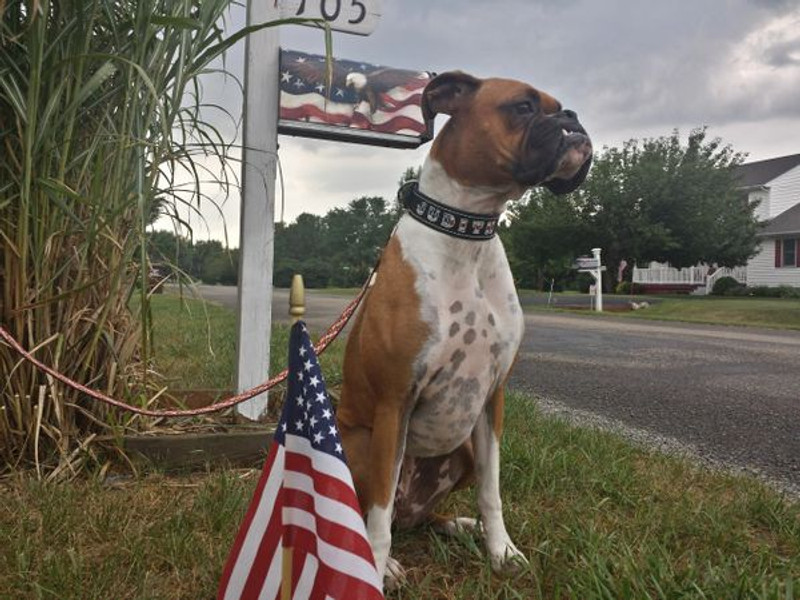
pixel 470 336
pixel 457 358
pixel 456 307
pixel 454 328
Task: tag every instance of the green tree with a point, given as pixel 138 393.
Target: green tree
pixel 355 237
pixel 662 200
pixel 542 238
pixel 657 199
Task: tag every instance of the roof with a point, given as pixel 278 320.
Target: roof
pixel 786 223
pixel 762 172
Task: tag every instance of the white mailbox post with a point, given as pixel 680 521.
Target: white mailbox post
pixel 259 164
pixel 593 266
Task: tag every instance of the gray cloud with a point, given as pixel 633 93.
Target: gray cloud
pixel 629 68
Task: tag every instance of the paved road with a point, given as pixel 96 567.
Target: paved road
pixel 321 309
pixel 732 392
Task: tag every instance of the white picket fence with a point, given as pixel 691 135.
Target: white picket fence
pixel 698 276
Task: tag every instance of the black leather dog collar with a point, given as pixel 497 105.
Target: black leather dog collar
pixel 457 223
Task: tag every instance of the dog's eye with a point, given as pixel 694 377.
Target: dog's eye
pixel 524 108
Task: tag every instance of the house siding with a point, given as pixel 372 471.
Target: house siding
pixel 762 211
pixel 784 192
pixel 761 268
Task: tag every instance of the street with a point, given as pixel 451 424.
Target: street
pixel 732 392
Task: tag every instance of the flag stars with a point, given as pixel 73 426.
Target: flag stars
pixel 298 425
pixel 326 414
pixel 286 77
pixel 338 448
pixel 300 401
pixel 321 397
pixel 307 366
pixel 332 430
pixel 303 351
pixel 318 437
pixel 314 381
pixel 313 420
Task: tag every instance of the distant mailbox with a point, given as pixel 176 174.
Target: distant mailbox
pixel 586 262
pixel 362 103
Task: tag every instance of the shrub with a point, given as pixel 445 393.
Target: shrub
pixel 787 291
pixel 782 291
pixel 724 286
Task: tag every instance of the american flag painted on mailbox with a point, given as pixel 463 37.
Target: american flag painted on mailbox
pixel 363 103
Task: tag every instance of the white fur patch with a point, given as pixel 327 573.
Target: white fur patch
pixel 469 302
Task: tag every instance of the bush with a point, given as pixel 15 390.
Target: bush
pixel 726 286
pixel 787 291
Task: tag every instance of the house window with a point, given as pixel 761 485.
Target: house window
pixel 786 253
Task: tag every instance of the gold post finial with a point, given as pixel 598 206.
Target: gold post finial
pixel 297 299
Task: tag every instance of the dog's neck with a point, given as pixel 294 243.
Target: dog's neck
pixel 436 183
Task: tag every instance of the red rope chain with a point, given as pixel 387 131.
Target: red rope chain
pixel 333 331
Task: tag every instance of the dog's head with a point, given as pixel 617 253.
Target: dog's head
pixel 504 132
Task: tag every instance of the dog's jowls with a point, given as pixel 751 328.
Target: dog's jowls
pixel 421 411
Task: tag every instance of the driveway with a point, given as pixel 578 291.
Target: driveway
pixel 732 393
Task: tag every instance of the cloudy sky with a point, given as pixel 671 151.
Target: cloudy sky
pixel 629 68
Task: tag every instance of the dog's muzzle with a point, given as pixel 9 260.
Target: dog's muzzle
pixel 556 153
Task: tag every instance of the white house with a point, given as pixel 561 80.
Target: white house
pixel 776 183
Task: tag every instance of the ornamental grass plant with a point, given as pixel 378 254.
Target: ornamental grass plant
pixel 102 127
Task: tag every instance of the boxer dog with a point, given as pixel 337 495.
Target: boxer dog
pixel 421 409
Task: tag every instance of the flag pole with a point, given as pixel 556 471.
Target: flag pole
pixel 297 299
pixel 297 309
pixel 286 577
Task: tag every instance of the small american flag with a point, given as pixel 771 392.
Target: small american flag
pixel 303 535
pixel 358 95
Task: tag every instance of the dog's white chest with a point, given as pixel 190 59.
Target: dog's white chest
pixel 469 302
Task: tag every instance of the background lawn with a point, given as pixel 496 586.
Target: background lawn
pixel 778 313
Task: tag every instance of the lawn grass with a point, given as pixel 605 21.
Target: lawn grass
pixel 775 313
pixel 194 345
pixel 597 517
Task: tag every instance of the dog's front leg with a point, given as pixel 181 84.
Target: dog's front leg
pixel 486 442
pixel 387 449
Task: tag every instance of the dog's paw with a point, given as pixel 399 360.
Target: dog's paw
pixel 506 558
pixel 394 576
pixel 457 526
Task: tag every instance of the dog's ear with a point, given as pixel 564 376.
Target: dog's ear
pixel 447 93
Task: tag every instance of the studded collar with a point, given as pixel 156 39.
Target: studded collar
pixel 445 219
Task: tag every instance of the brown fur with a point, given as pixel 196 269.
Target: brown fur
pixel 375 394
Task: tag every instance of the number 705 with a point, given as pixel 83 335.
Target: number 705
pixel 332 14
